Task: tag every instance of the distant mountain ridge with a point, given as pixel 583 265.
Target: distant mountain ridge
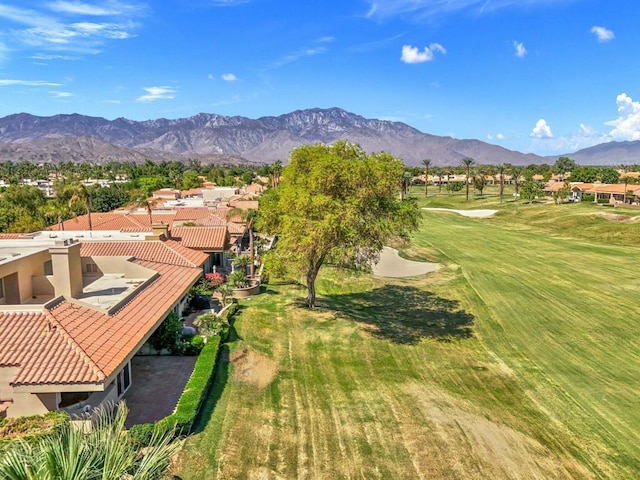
pixel 217 138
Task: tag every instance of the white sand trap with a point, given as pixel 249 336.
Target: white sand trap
pixel 393 265
pixel 466 213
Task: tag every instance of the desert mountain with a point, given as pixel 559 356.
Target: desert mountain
pixel 211 137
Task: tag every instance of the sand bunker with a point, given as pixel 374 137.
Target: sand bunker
pixel 393 265
pixel 466 213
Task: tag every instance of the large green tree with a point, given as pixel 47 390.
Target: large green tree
pixel 334 204
pixel 564 165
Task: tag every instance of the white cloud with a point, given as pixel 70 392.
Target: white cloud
pixel 425 10
pixel 520 50
pixel 603 34
pixel 229 77
pixel 28 83
pixel 295 56
pixel 541 130
pixel 627 125
pixel 80 8
pixel 500 136
pixel 210 77
pixel 57 94
pixel 414 55
pixel 157 93
pixel 46 25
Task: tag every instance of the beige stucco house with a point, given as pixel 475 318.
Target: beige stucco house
pixel 75 307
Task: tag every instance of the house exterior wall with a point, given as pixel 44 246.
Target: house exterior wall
pixel 24 404
pixel 26 268
pixel 67 269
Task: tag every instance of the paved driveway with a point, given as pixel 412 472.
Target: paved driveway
pixel 158 382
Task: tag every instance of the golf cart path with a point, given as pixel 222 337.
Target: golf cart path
pixel 391 264
pixel 465 213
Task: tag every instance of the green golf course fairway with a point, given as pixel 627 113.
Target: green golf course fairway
pixel 518 359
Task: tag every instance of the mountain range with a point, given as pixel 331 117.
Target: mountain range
pixel 231 139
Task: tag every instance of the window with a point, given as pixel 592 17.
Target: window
pixel 92 268
pixel 124 379
pixel 48 267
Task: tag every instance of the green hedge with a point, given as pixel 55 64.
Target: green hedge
pixel 30 429
pixel 193 396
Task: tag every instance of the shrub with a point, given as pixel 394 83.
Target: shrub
pixel 588 197
pixel 209 324
pixel 242 262
pixel 215 279
pixel 191 399
pixel 140 435
pixel 238 279
pixel 168 333
pixel 31 429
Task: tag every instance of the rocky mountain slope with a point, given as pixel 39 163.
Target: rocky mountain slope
pixel 212 137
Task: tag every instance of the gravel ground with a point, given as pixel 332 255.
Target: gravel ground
pixel 393 265
pixel 466 213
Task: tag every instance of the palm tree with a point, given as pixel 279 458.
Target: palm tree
pixel 467 162
pixel 104 453
pixel 57 209
pixel 500 168
pixel 80 193
pixel 147 204
pixel 427 163
pixel 515 171
pixel 248 216
pixel 277 171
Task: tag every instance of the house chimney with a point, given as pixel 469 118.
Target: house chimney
pixel 67 268
pixel 159 231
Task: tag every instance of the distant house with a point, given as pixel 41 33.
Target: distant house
pixel 74 310
pixel 199 220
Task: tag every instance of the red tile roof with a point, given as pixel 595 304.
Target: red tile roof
pixel 75 344
pixel 201 238
pixel 115 221
pixel 45 354
pixel 191 213
pixel 168 252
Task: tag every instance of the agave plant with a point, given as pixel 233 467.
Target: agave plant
pixel 104 453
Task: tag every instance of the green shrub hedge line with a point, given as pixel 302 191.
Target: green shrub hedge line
pixel 31 429
pixel 191 399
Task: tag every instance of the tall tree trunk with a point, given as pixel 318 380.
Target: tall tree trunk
pixel 312 273
pixel 88 207
pixel 501 187
pixel 252 268
pixel 426 181
pixel 467 182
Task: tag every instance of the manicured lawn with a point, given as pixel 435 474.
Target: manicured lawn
pixel 383 380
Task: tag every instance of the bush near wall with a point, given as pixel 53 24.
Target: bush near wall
pixel 30 429
pixel 191 399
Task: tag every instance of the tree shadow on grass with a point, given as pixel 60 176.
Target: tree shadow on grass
pixel 403 314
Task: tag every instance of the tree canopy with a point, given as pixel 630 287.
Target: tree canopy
pixel 334 204
pixel 564 165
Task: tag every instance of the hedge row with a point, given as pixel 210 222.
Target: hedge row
pixel 31 429
pixel 191 399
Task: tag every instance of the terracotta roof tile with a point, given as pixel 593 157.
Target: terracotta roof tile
pixel 74 344
pixel 191 213
pixel 201 238
pixel 169 252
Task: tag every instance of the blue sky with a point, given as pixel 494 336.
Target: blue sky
pixel 541 76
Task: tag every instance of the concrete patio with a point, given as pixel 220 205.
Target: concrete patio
pixel 158 382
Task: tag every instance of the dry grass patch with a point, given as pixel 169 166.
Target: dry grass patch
pixel 253 368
